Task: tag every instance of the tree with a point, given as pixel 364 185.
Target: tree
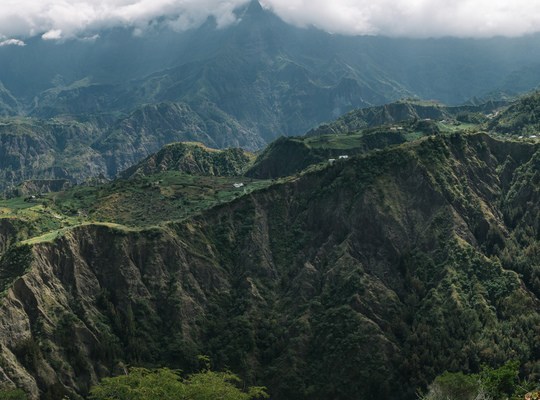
pixel 490 383
pixel 167 384
pixel 141 384
pixel 454 386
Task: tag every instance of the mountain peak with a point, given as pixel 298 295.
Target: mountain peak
pixel 252 9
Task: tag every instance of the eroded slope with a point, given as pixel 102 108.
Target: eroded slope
pixel 363 279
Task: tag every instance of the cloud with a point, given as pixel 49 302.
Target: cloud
pixel 61 19
pixel 56 19
pixel 12 42
pixel 414 18
pixel 53 34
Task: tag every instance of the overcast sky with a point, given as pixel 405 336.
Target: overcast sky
pixel 60 19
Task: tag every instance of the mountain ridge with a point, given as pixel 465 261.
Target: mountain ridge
pixel 371 249
pixel 192 158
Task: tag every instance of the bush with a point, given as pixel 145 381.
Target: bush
pixel 454 386
pixel 490 383
pixel 167 384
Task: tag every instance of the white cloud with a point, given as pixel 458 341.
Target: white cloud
pixel 53 34
pixel 91 38
pixel 55 19
pixel 12 42
pixel 414 18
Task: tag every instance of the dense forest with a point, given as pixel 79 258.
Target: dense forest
pixel 364 277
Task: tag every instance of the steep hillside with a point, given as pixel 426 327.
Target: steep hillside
pixel 9 105
pixel 87 146
pixel 363 279
pixel 366 129
pixel 383 115
pixel 401 111
pixel 52 149
pixel 346 137
pixel 151 127
pixel 520 118
pixel 192 158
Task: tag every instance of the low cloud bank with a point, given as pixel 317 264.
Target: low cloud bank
pixel 62 19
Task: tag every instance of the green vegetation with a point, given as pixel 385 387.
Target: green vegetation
pixel 366 278
pixel 363 130
pixel 12 394
pixel 138 202
pixel 490 383
pixel 151 200
pixel 521 118
pixel 14 263
pixel 193 158
pixel 166 384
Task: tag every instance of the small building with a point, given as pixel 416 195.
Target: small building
pixel 533 136
pixel 238 185
pixel 331 161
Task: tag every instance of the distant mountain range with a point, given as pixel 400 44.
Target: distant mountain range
pixel 82 147
pixel 258 78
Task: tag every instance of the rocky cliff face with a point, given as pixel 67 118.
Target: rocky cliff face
pixel 362 279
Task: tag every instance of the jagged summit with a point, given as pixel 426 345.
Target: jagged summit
pixel 252 10
pixel 254 7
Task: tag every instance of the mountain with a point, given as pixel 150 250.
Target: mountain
pixel 366 129
pixel 147 129
pixel 81 148
pixel 287 156
pixel 360 260
pixel 364 278
pixel 192 158
pixel 8 103
pixel 84 146
pixel 401 111
pixel 269 77
pixel 520 118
